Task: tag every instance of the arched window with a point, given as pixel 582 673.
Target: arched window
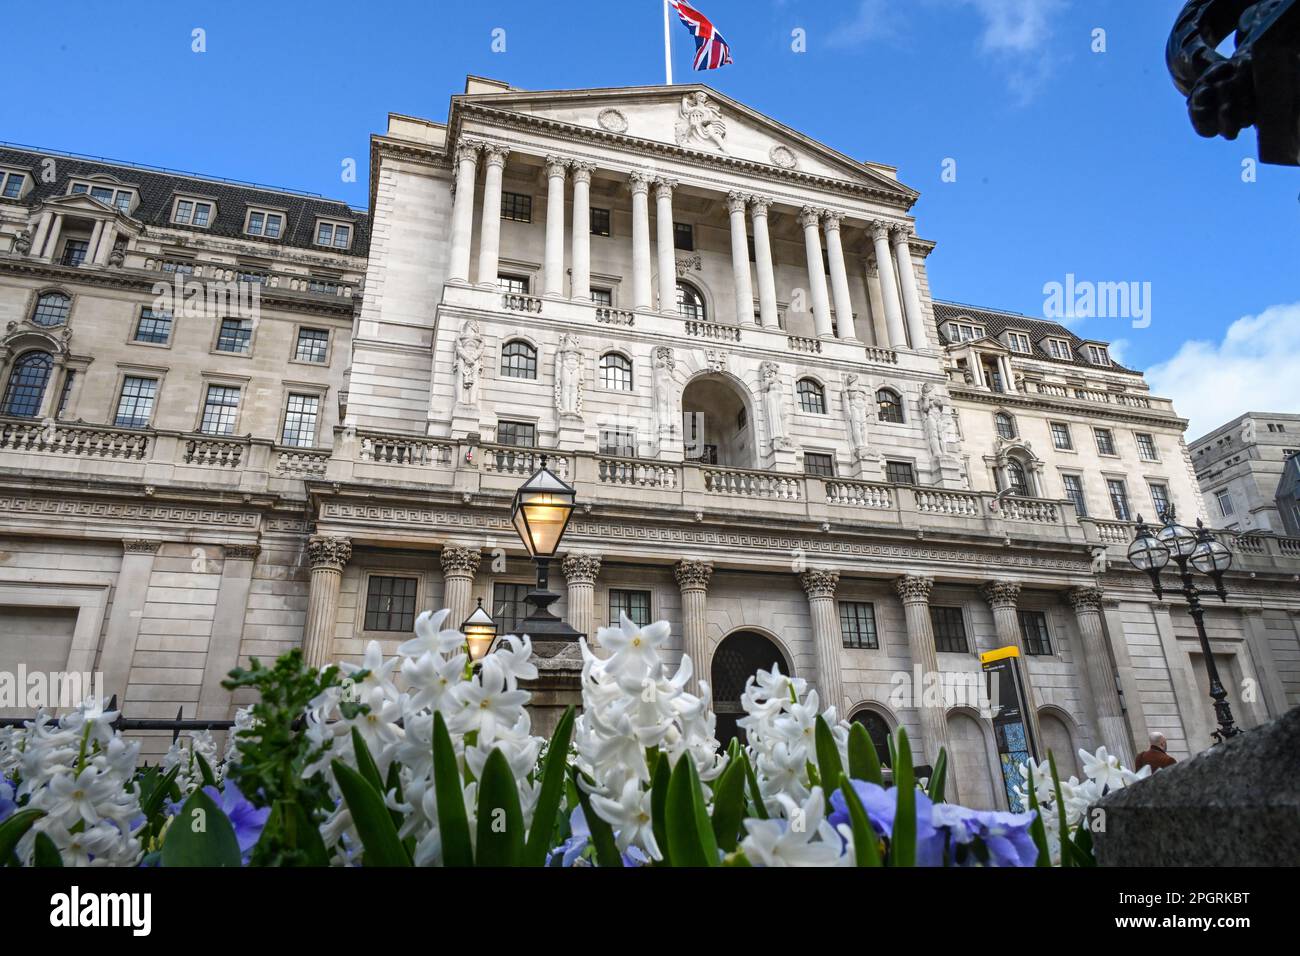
pixel 690 303
pixel 616 372
pixel 812 398
pixel 51 309
pixel 27 381
pixel 1005 424
pixel 877 730
pixel 891 406
pixel 1017 482
pixel 518 360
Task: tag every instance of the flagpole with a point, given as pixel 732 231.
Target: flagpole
pixel 668 50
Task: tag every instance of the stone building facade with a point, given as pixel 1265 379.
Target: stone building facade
pixel 720 331
pixel 1241 467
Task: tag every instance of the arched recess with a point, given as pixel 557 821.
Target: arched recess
pixel 1016 458
pixel 738 657
pixel 718 421
pixel 880 725
pixel 974 762
pixel 1060 736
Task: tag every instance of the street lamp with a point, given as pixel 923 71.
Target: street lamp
pixel 1151 552
pixel 480 631
pixel 540 514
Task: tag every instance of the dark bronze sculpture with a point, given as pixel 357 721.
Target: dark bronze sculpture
pixel 1258 85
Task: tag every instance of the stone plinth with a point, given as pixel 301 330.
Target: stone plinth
pixel 558 684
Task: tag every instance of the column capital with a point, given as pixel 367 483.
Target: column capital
pixel 736 201
pixel 831 221
pixel 809 217
pixel 456 560
pixel 693 574
pixel 819 582
pixel 1000 594
pixel 1085 598
pixel 467 149
pixel 900 233
pixel 639 182
pixel 581 568
pixel 879 229
pixel 758 205
pixel 327 552
pixel 556 166
pixel 664 187
pixel 495 154
pixel 140 546
pixel 241 552
pixel 581 170
pixel 914 588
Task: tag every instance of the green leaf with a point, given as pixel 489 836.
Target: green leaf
pixel 939 776
pixel 152 804
pixel 866 842
pixel 690 834
pixel 370 817
pixel 1081 846
pixel 12 830
pixel 755 794
pixel 829 766
pixel 500 818
pixel 46 853
pixel 291 828
pixel 864 761
pixel 902 844
pixel 453 823
pixel 1036 829
pixel 200 835
pixel 548 801
pixel 209 779
pixel 602 834
pixel 1066 858
pixel 366 765
pixel 659 808
pixel 729 807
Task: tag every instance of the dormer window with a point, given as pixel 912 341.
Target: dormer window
pixel 192 212
pixel 1019 342
pixel 1098 355
pixel 964 332
pixel 1060 349
pixel 336 235
pixel 107 194
pixel 11 184
pixel 264 223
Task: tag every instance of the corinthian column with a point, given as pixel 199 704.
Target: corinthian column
pixel 821 307
pixel 693 579
pixel 1111 726
pixel 888 286
pixel 642 297
pixel 911 297
pixel 740 260
pixel 328 557
pixel 820 586
pixel 914 591
pixel 1002 597
pixel 763 264
pixel 580 572
pixel 459 566
pixel 489 232
pixel 839 278
pixel 580 290
pixel 553 265
pixel 664 244
pixel 462 213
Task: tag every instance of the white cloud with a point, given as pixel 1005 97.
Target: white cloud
pixel 1255 368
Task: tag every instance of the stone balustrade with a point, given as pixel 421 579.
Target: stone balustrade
pixel 608 316
pixel 1114 532
pixel 302 462
pixel 752 484
pixel 282 281
pixel 518 302
pixel 952 503
pixel 399 450
pixel 636 473
pixel 881 356
pixel 82 441
pixel 712 330
pixel 1030 509
pixel 859 494
pixel 801 343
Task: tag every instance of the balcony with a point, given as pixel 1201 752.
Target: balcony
pixel 317 287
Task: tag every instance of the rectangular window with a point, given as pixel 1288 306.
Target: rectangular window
pixel 322 286
pixel 1146 446
pixel 300 421
pixel 190 212
pixel 635 604
pixel 1061 436
pixel 1224 500
pixel 900 473
pixel 858 624
pixel 514 285
pixel 236 335
pixel 123 201
pixel 1118 499
pixel 509 607
pixel 74 252
pixel 819 465
pixel 135 404
pixel 1019 342
pixel 333 234
pixel 390 603
pixel 267 224
pixel 1105 441
pixel 181 268
pixel 154 327
pixel 1060 349
pixel 520 434
pixel 1034 633
pixel 949 629
pixel 1097 355
pixel 103 194
pixel 13 185
pixel 251 278
pixel 1160 498
pixel 313 346
pixel 220 410
pixel 1074 491
pixel 618 442
pixel 684 236
pixel 517 207
pixel 603 297
pixel 599 222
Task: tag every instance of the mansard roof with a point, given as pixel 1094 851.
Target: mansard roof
pixel 996 322
pixel 157 188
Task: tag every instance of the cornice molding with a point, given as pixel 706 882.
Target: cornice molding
pixel 1076 407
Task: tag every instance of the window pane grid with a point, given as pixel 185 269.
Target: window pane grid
pixel 390 604
pixel 312 345
pixel 236 335
pixel 1033 630
pixel 1074 491
pixel 616 372
pixel 517 207
pixel 509 607
pixel 27 384
pixel 858 624
pixel 51 309
pixel 811 397
pixel 153 326
pixel 949 629
pixel 135 405
pixel 300 421
pixel 635 604
pixel 521 434
pixel 891 407
pixel 519 360
pixel 220 410
pixel 819 465
pixel 1118 499
pixel 899 473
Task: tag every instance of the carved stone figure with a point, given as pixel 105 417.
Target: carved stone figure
pixel 568 377
pixel 774 404
pixel 23 242
pixel 469 363
pixel 701 120
pixel 664 365
pixel 857 409
pixel 938 424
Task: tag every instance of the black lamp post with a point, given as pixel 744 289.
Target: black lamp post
pixel 540 513
pixel 1150 552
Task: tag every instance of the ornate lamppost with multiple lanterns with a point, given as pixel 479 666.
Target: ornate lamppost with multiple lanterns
pixel 1199 550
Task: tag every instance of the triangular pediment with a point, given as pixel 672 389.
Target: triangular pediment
pixel 696 118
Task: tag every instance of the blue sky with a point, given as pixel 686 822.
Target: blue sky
pixel 1068 161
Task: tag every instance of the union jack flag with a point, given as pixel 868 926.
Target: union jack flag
pixel 711 51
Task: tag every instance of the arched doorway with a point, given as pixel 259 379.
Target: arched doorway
pixel 1058 739
pixel 717 423
pixel 877 729
pixel 739 657
pixel 970 762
